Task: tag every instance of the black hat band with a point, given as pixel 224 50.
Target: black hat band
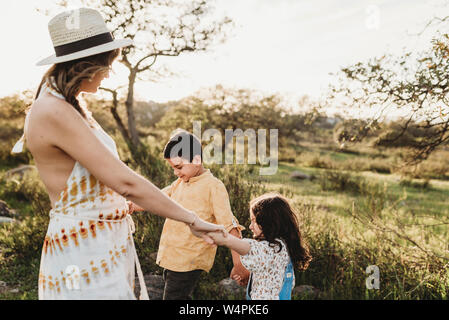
pixel 83 44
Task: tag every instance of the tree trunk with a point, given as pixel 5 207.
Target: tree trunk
pixel 117 118
pixel 129 103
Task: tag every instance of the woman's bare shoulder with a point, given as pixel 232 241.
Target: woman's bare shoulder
pixel 49 106
pixel 54 115
pixel 53 119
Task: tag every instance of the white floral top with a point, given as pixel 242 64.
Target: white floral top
pixel 268 268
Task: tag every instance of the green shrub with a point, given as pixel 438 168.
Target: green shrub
pixel 316 161
pixel 288 155
pixel 29 189
pixel 407 182
pixel 21 242
pixel 436 167
pixel 331 180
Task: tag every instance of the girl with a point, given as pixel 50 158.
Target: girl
pixel 276 248
pixel 88 251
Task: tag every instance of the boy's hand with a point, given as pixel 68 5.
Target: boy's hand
pixel 240 274
pixel 132 207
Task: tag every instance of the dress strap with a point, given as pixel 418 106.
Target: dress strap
pixel 143 287
pixel 19 146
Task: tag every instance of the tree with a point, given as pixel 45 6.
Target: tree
pixel 416 84
pixel 350 131
pixel 223 108
pixel 159 28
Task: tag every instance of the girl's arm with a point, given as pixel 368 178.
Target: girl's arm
pixel 240 246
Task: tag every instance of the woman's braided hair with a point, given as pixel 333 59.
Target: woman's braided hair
pixel 66 77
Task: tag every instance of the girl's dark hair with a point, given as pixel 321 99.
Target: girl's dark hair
pixel 66 77
pixel 277 219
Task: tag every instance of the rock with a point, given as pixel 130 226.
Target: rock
pixel 5 288
pixel 7 220
pixel 230 287
pixel 300 175
pixel 155 286
pixel 20 170
pixel 305 292
pixel 5 211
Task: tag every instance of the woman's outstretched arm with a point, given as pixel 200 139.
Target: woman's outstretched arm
pixel 68 131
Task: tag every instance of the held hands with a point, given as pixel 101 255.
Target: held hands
pixel 202 229
pixel 219 238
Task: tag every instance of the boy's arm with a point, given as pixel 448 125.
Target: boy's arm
pixel 235 256
pixel 224 216
pixel 222 208
pixel 238 272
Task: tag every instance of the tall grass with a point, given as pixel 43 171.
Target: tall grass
pixel 379 229
pixel 413 263
pixel 21 242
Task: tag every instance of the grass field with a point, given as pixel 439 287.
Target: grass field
pixel 351 219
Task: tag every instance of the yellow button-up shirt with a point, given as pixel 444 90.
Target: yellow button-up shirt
pixel 179 250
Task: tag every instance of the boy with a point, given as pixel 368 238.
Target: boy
pixel 182 255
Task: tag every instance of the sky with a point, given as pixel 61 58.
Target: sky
pixel 288 47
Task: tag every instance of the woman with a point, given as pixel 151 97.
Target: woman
pixel 88 250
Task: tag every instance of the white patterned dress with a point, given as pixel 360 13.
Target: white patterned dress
pixel 88 251
pixel 268 268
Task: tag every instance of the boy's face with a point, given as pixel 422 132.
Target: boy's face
pixel 184 169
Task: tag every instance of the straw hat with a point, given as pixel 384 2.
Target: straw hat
pixel 80 33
